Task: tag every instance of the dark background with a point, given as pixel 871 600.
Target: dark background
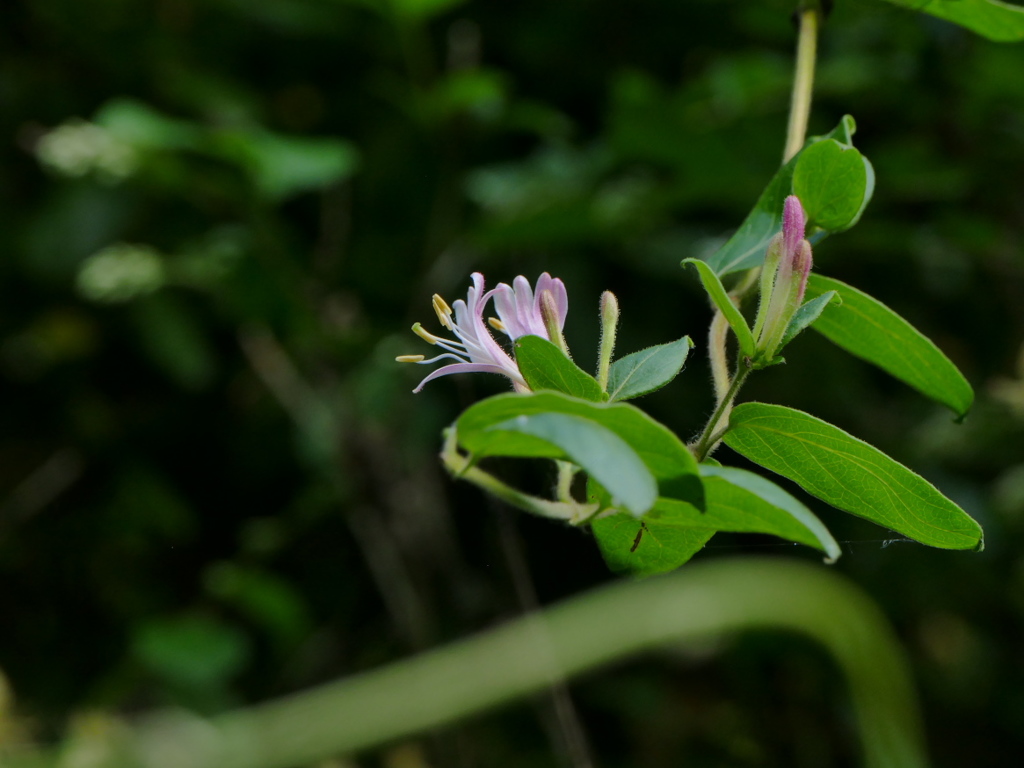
pixel 215 484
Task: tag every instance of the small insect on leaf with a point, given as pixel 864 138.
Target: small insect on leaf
pixel 639 535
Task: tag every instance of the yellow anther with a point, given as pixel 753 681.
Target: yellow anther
pixel 496 324
pixel 444 312
pixel 410 359
pixel 424 334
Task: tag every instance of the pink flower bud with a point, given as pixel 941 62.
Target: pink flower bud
pixel 794 222
pixel 783 279
pixel 802 268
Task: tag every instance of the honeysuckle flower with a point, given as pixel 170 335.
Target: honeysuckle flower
pixel 521 311
pixel 783 278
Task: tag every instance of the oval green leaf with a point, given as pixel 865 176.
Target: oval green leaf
pixel 832 182
pixel 545 366
pixel 740 501
pixel 849 474
pixel 600 452
pixel 865 327
pixel 647 370
pixel 997 21
pixel 674 531
pixel 658 447
pixel 661 542
pixel 747 247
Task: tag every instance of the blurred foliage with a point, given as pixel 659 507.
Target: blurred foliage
pixel 219 219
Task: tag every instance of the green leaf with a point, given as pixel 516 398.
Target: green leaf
pixel 661 542
pixel 661 451
pixel 747 247
pixel 142 126
pixel 741 501
pixel 174 339
pixel 545 366
pixel 647 370
pixel 807 314
pixel 192 650
pixel 997 21
pixel 605 456
pixel 721 299
pixel 849 474
pixel 421 10
pixel 282 166
pixel 865 327
pixel 673 531
pixel 834 183
pixel 843 132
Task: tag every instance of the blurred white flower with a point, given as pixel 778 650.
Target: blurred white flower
pixel 77 148
pixel 121 272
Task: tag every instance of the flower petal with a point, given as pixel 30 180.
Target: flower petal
pixel 469 368
pixel 557 288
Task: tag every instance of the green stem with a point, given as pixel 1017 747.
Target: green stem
pixel 803 80
pixel 702 602
pixel 712 433
pixel 460 466
pixel 566 472
pixel 718 333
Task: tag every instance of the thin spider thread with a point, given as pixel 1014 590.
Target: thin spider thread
pixel 884 542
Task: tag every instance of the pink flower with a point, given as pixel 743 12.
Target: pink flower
pixel 519 308
pixel 520 313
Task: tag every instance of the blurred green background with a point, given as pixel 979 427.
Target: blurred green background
pixel 218 220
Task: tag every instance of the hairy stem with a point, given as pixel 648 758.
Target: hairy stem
pixel 717 337
pixel 461 467
pixel 437 688
pixel 566 473
pixel 712 430
pixel 803 80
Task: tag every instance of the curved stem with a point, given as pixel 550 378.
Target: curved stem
pixel 566 473
pixel 442 686
pixel 565 510
pixel 718 336
pixel 718 333
pixel 803 80
pixel 712 432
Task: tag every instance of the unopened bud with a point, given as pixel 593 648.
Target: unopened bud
pixel 802 269
pixel 794 222
pixel 768 273
pixel 783 279
pixel 549 314
pixel 609 329
pixel 609 311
